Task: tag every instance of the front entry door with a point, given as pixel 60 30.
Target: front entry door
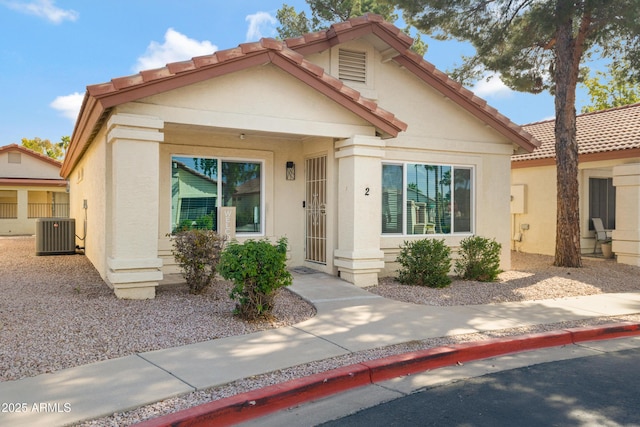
pixel 315 209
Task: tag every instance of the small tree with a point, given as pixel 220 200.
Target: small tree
pixel 611 89
pixel 425 262
pixel 197 252
pixel 258 269
pixel 46 147
pixel 479 259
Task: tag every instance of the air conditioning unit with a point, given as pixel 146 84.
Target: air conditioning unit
pixel 55 236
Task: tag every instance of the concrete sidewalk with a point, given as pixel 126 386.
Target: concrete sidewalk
pixel 348 319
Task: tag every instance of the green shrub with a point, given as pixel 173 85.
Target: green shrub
pixel 479 259
pixel 425 263
pixel 197 252
pixel 257 269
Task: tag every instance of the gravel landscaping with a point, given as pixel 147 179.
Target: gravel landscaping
pixel 532 277
pixel 56 312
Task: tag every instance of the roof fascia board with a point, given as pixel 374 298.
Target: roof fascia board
pixel 25 182
pixel 533 163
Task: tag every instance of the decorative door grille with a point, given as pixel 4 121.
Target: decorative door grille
pixel 316 218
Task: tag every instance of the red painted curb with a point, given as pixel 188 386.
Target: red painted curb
pixel 253 404
pixel 256 403
pixel 419 361
pixel 614 330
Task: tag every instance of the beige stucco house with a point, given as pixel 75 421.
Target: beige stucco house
pixel 344 141
pixel 608 177
pixel 30 188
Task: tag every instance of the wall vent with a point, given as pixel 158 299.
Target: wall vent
pixel 352 66
pixel 55 236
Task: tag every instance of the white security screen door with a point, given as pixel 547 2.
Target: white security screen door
pixel 315 209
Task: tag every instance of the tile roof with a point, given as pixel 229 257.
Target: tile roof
pixel 289 56
pixel 612 130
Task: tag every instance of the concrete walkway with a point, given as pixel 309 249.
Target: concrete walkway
pixel 348 319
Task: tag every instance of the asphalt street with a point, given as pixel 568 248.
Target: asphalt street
pixel 601 390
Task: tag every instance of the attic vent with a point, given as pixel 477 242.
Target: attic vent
pixel 14 158
pixel 352 66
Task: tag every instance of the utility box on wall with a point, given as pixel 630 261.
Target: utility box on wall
pixel 518 199
pixel 55 236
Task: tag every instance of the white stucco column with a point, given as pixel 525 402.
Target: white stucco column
pixel 358 257
pixel 23 206
pixel 132 217
pixel 626 236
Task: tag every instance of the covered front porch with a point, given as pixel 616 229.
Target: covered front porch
pixel 306 187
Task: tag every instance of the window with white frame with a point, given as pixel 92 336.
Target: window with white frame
pixel 201 185
pixel 420 198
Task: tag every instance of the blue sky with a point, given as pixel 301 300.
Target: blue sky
pixel 50 50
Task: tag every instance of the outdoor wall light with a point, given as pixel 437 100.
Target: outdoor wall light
pixel 291 171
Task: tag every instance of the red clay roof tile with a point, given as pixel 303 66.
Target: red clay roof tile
pixel 315 69
pixel 251 47
pixel 127 81
pixel 269 43
pixel 313 37
pixel 293 55
pixel 330 80
pixel 101 89
pixel 229 54
pixel 155 74
pixel 181 67
pixel 615 129
pixel 205 60
pixel 295 41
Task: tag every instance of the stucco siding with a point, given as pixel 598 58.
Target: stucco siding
pixel 537 224
pixel 29 167
pixel 89 181
pixel 263 98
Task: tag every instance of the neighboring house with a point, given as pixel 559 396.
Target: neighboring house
pixel 320 139
pixel 194 196
pixel 608 177
pixel 30 188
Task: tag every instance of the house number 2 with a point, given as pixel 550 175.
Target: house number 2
pixel 366 191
